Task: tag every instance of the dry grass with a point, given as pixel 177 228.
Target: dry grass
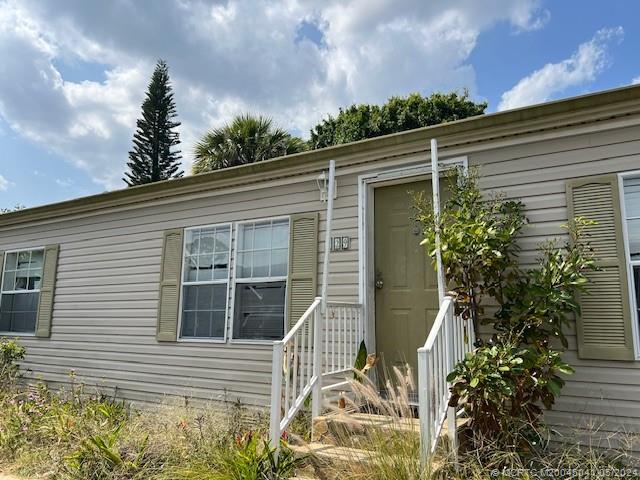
pixel 70 436
pixel 393 452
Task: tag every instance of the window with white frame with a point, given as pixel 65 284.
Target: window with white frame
pixel 631 186
pixel 20 292
pixel 262 258
pixel 205 281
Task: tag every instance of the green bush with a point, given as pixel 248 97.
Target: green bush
pixel 250 458
pixel 502 386
pixel 10 353
pixel 510 376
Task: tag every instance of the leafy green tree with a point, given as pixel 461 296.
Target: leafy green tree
pixel 247 139
pixel 14 209
pixel 358 122
pixel 154 157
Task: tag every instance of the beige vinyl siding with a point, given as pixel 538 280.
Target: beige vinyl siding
pixel 105 306
pixel 104 320
pixel 601 393
pixel 105 310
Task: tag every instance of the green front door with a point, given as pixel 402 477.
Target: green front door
pixel 406 283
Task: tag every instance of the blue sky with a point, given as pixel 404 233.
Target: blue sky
pixel 73 74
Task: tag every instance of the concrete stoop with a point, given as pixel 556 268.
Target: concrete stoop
pixel 343 441
pixel 329 462
pixel 335 428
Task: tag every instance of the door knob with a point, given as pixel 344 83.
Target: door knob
pixel 379 283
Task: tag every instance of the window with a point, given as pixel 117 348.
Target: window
pixel 20 291
pixel 205 281
pixel 632 209
pixel 262 261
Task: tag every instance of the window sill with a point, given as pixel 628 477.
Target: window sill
pixel 17 334
pixel 239 341
pixel 202 340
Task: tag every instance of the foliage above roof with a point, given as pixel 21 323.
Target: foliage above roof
pixel 399 114
pixel 247 139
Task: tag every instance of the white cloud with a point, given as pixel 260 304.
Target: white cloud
pixel 64 182
pixel 589 60
pixel 4 184
pixel 224 58
pixel 635 81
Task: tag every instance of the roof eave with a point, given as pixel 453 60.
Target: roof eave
pixel 256 171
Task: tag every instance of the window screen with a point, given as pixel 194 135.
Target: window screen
pixel 20 292
pixel 205 281
pixel 261 280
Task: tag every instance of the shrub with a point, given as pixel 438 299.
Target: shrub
pixel 477 241
pixel 10 353
pixel 504 383
pixel 393 452
pixel 501 387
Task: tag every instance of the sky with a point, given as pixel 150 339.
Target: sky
pixel 73 73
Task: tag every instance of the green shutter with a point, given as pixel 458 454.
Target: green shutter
pixel 604 327
pixel 170 286
pixel 47 291
pixel 303 265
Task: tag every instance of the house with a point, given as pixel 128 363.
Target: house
pixel 182 287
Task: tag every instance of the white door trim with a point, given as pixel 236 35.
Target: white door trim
pixel 366 185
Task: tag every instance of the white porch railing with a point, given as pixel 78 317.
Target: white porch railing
pixel 343 332
pixel 296 370
pixel 301 359
pixel 451 337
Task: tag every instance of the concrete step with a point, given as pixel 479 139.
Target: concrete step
pixel 326 458
pixel 352 429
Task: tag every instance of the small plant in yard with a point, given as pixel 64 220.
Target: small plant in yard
pixel 101 457
pixel 72 435
pixel 10 353
pixel 250 458
pixel 504 384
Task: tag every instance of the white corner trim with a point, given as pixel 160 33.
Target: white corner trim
pixel 635 327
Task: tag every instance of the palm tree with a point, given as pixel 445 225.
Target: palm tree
pixel 247 139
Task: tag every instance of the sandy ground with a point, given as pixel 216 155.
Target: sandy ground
pixel 5 476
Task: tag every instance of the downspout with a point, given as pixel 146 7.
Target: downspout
pixel 320 320
pixel 435 186
pixel 327 234
pixel 448 326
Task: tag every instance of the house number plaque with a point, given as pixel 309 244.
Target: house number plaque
pixel 338 244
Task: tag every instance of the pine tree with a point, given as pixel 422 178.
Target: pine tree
pixel 152 158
